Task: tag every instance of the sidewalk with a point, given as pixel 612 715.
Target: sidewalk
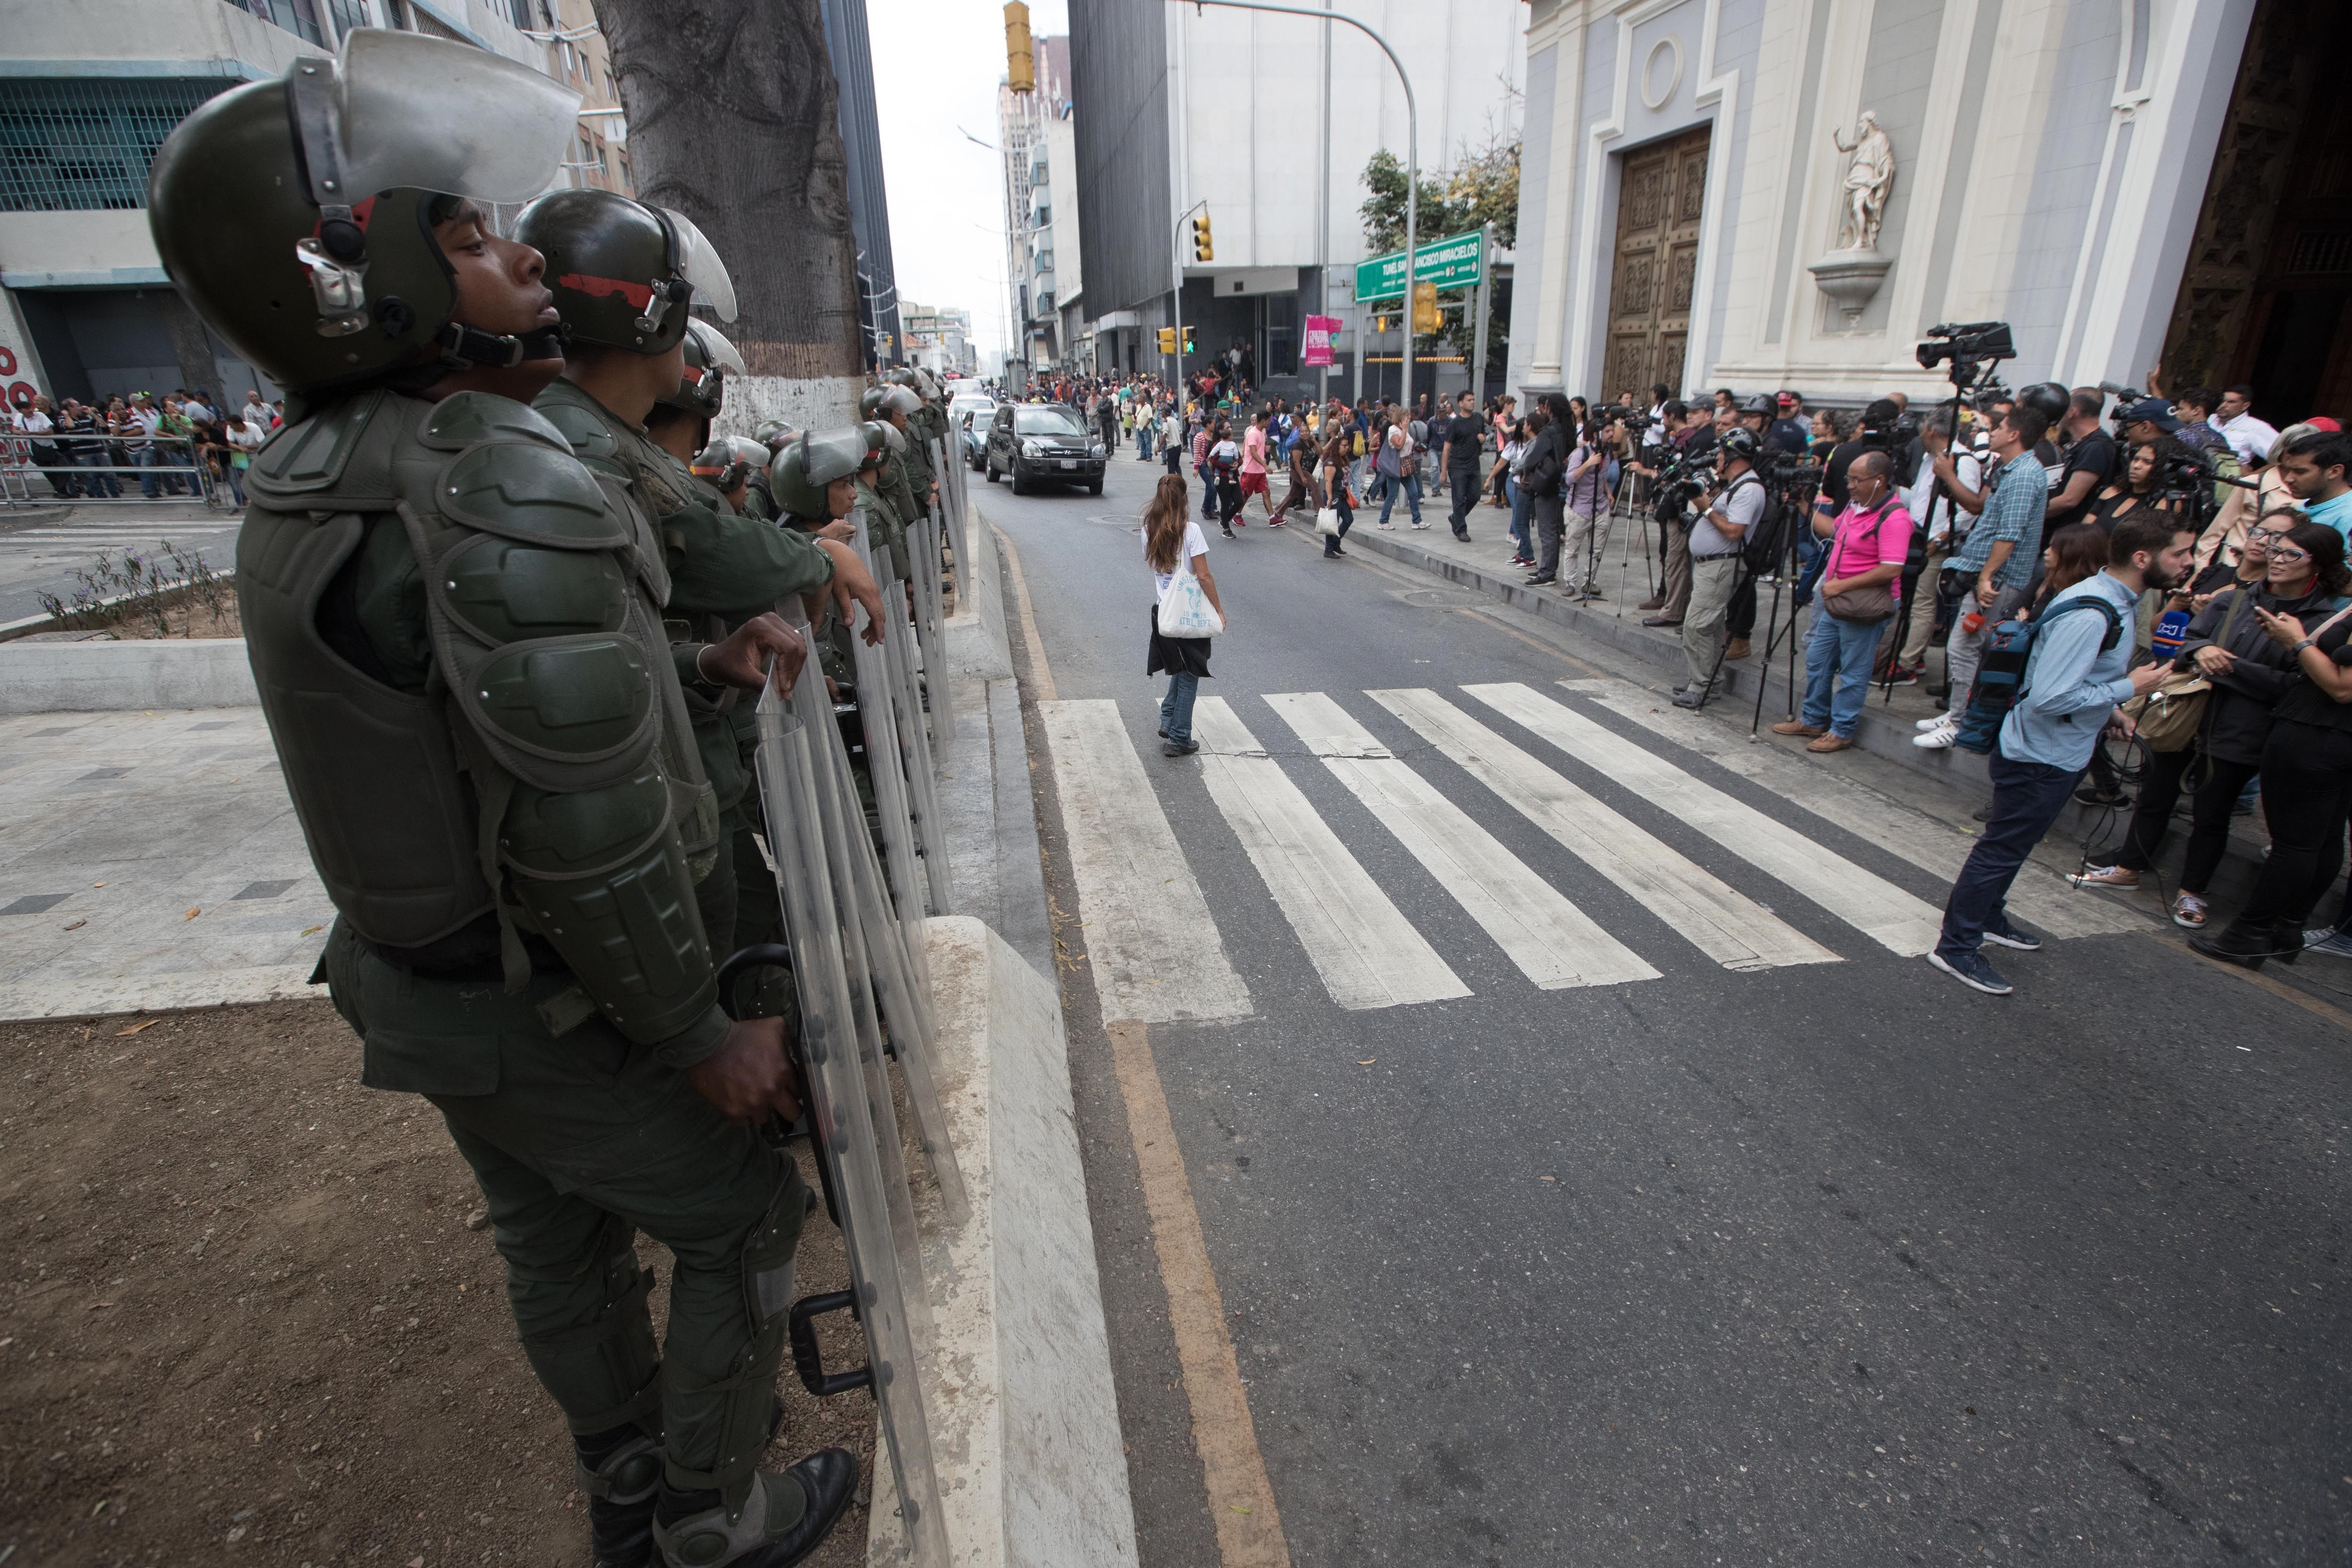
pixel 150 860
pixel 1628 577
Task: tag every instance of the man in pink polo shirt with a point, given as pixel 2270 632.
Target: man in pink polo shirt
pixel 1254 468
pixel 1853 604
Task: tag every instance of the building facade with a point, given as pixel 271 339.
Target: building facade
pixel 938 339
pixel 88 91
pixel 1224 111
pixel 1044 260
pixel 880 317
pixel 1766 193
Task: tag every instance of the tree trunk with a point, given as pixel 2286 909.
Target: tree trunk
pixel 732 122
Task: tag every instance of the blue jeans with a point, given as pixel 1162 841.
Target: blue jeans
pixel 2026 799
pixel 1838 651
pixel 1176 708
pixel 1411 487
pixel 1520 502
pixel 1143 443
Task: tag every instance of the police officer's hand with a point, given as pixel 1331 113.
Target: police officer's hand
pixel 748 1079
pixel 839 528
pixel 851 580
pixel 743 659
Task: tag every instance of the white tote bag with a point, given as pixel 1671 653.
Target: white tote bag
pixel 1327 522
pixel 1185 610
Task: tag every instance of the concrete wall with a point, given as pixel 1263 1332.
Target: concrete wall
pixel 1119 64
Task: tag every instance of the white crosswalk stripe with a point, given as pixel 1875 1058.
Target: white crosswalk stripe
pixel 1869 903
pixel 2039 896
pixel 1554 943
pixel 1368 953
pixel 1721 922
pixel 1156 951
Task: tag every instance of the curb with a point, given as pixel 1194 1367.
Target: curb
pixel 1024 1417
pixel 1881 735
pixel 105 676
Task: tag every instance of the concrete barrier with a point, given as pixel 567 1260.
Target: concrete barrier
pixel 1024 1420
pixel 104 676
pixel 977 639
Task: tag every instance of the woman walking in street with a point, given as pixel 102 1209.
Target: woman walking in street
pixel 1339 452
pixel 1173 545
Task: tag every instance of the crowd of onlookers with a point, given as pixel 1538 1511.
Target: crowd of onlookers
pixel 186 445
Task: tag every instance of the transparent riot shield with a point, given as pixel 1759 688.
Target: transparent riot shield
pixel 952 512
pixel 924 538
pixel 879 702
pixel 899 644
pixel 883 1292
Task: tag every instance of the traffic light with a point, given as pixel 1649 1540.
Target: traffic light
pixel 1020 62
pixel 1188 340
pixel 1204 245
pixel 1425 318
pixel 1379 323
pixel 1168 339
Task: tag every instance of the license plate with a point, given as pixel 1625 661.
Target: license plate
pixel 1069 462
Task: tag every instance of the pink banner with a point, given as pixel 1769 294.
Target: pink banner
pixel 1319 333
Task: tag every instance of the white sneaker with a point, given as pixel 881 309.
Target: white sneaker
pixel 1931 723
pixel 1938 739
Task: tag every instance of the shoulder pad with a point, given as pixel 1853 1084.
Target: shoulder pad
pixel 309 455
pixel 589 436
pixel 459 421
pixel 520 489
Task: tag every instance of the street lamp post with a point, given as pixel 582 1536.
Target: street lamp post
pixel 1411 157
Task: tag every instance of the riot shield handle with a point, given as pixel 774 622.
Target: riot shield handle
pixel 776 1131
pixel 806 1359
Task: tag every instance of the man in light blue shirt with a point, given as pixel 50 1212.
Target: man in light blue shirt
pixel 2314 465
pixel 2079 669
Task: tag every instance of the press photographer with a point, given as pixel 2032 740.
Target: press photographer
pixel 1717 535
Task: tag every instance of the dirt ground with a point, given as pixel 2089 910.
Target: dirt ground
pixel 245 1320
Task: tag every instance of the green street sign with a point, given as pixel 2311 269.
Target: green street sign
pixel 1454 262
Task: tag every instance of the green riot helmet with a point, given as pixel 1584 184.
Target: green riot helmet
pixel 710 359
pixel 802 471
pixel 297 216
pixel 900 400
pixel 877 443
pixel 623 272
pixel 773 433
pixel 894 438
pixel 869 403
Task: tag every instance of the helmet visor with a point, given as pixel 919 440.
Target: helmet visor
pixel 700 265
pixel 718 353
pixel 441 116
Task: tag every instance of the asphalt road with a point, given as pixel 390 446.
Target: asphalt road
pixel 1822 1262
pixel 41 547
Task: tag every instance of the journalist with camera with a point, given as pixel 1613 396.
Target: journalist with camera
pixel 1716 534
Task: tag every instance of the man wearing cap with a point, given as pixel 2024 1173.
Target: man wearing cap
pixel 1788 432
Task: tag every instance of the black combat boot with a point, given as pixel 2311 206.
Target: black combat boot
pixel 784 1517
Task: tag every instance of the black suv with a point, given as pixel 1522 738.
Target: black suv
pixel 1044 442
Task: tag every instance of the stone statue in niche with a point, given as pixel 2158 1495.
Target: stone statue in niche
pixel 1851 274
pixel 1869 178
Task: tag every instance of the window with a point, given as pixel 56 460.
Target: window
pixel 1046 419
pixel 518 12
pixel 84 144
pixel 295 16
pixel 347 14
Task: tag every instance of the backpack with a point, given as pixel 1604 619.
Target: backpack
pixel 1765 544
pixel 2000 678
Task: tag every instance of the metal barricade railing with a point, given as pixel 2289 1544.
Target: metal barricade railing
pixel 177 476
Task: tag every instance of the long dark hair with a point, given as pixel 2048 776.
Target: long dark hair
pixel 2326 549
pixel 1164 523
pixel 2077 551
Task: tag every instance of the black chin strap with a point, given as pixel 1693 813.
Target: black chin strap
pixel 472 346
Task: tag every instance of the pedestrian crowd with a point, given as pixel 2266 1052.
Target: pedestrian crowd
pixel 188 444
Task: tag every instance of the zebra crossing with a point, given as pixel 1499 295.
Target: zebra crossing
pixel 1159 955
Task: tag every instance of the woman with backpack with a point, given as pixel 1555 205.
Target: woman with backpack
pixel 2306 577
pixel 1173 547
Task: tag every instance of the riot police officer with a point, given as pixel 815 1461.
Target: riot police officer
pixel 456 633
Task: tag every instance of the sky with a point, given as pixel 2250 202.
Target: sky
pixel 937 63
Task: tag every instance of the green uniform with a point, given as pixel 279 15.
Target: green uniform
pixel 724 568
pixel 455 633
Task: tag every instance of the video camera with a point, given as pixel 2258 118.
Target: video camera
pixel 1608 411
pixel 1968 345
pixel 1681 477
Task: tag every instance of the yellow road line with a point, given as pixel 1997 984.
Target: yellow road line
pixel 1240 1498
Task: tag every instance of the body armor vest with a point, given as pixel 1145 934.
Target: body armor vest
pixel 546 769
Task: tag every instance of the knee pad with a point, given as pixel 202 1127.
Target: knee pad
pixel 604 1373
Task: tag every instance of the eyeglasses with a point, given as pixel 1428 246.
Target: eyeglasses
pixel 2289 553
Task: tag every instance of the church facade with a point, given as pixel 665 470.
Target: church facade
pixel 1769 193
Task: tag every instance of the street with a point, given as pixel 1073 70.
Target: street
pixel 1579 1157
pixel 40 547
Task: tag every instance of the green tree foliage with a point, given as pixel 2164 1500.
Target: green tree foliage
pixel 1483 187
